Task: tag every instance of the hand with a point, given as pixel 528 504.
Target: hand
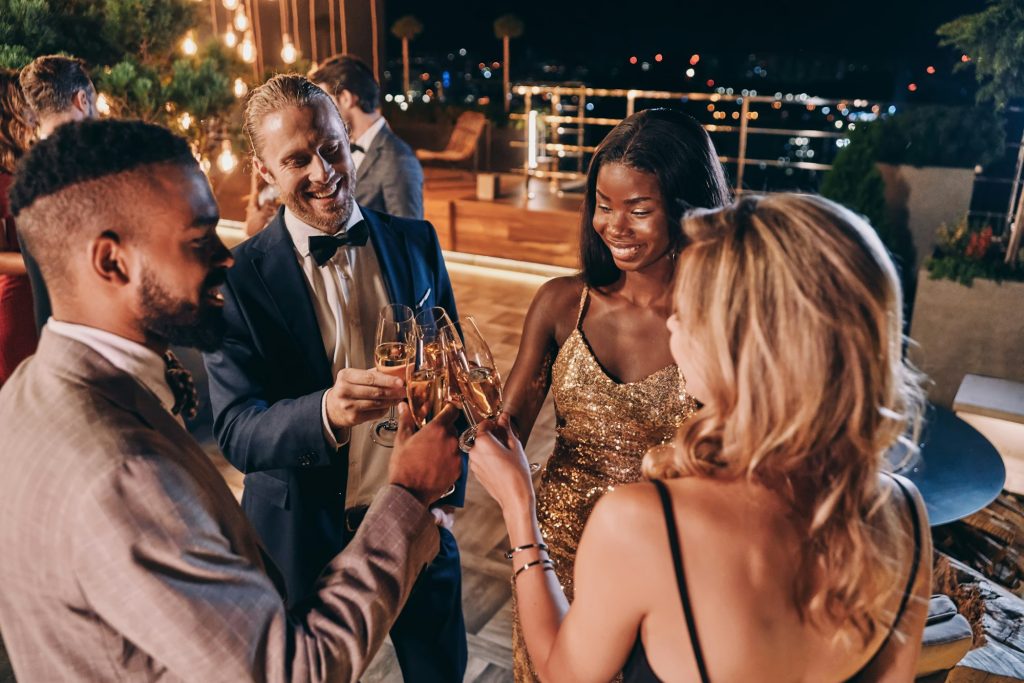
pixel 426 462
pixel 257 217
pixel 359 396
pixel 499 462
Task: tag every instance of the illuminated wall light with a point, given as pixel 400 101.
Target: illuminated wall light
pixel 230 38
pixel 241 20
pixel 930 69
pixel 531 139
pixel 226 160
pixel 288 53
pixel 694 59
pixel 690 72
pixel 247 49
pixel 185 121
pixel 230 4
pixel 240 88
pixel 188 45
pixel 103 105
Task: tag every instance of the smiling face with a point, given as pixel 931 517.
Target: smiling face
pixel 630 216
pixel 304 152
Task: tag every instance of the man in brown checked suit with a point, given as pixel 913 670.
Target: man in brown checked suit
pixel 123 555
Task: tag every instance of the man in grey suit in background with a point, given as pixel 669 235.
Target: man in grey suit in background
pixel 389 176
pixel 124 555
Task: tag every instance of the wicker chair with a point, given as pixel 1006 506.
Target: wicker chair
pixel 463 143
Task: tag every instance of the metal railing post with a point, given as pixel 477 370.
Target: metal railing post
pixel 741 162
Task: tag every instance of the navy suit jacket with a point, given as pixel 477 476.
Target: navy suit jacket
pixel 268 380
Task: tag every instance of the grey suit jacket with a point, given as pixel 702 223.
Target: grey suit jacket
pixel 390 178
pixel 124 556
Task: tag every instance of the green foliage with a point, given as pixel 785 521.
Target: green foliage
pixel 407 27
pixel 132 49
pixel 855 182
pixel 964 253
pixel 993 39
pixel 960 137
pixel 508 26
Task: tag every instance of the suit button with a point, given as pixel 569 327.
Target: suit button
pixel 306 459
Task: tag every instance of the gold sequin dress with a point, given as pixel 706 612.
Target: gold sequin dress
pixel 603 430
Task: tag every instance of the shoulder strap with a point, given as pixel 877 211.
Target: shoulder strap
pixel 677 560
pixel 914 566
pixel 583 304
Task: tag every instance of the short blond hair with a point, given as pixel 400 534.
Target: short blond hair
pixel 799 309
pixel 280 92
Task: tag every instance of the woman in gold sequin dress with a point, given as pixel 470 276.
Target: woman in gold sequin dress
pixel 598 341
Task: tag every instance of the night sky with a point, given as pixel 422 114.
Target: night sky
pixel 594 29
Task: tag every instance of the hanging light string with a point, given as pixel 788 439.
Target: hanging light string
pixel 258 33
pixel 282 6
pixel 256 71
pixel 295 26
pixel 376 56
pixel 312 31
pixel 330 21
pixel 213 16
pixel 344 27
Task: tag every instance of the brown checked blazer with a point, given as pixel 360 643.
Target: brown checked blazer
pixel 124 556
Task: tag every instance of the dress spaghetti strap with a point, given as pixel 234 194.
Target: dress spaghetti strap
pixel 583 306
pixel 677 560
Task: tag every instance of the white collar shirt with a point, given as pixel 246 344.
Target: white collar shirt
pixel 347 294
pixel 143 364
pixel 365 140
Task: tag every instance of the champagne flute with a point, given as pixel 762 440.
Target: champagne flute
pixel 391 355
pixel 478 379
pixel 426 377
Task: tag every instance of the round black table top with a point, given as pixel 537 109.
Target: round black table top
pixel 958 471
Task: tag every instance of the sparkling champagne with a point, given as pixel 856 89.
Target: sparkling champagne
pixel 428 392
pixel 392 357
pixel 482 388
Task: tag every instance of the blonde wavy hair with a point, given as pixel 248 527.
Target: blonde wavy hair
pixel 799 310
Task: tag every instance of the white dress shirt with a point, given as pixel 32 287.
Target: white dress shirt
pixel 141 363
pixel 347 294
pixel 366 139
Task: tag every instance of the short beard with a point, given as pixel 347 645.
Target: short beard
pixel 180 323
pixel 329 226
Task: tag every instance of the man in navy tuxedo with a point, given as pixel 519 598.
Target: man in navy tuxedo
pixel 293 390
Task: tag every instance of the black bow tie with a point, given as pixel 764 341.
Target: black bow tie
pixel 353 147
pixel 323 247
pixel 186 400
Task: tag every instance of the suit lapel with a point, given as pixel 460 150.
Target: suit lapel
pixel 373 153
pixel 282 278
pixel 393 257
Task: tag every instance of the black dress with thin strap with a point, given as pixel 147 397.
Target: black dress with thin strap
pixel 638 668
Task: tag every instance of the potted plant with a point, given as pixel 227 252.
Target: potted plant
pixel 969 314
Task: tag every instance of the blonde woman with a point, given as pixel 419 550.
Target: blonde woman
pixel 770 545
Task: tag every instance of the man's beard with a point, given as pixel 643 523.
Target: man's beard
pixel 330 222
pixel 180 322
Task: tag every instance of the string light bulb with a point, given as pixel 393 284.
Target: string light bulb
pixel 241 20
pixel 230 38
pixel 288 53
pixel 240 88
pixel 103 105
pixel 185 121
pixel 188 45
pixel 226 160
pixel 247 49
pixel 230 4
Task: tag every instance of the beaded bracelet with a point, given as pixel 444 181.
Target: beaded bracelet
pixel 520 548
pixel 549 566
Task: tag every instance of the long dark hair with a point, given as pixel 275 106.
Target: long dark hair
pixel 17 125
pixel 676 149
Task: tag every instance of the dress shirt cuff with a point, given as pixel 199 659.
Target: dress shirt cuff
pixel 335 439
